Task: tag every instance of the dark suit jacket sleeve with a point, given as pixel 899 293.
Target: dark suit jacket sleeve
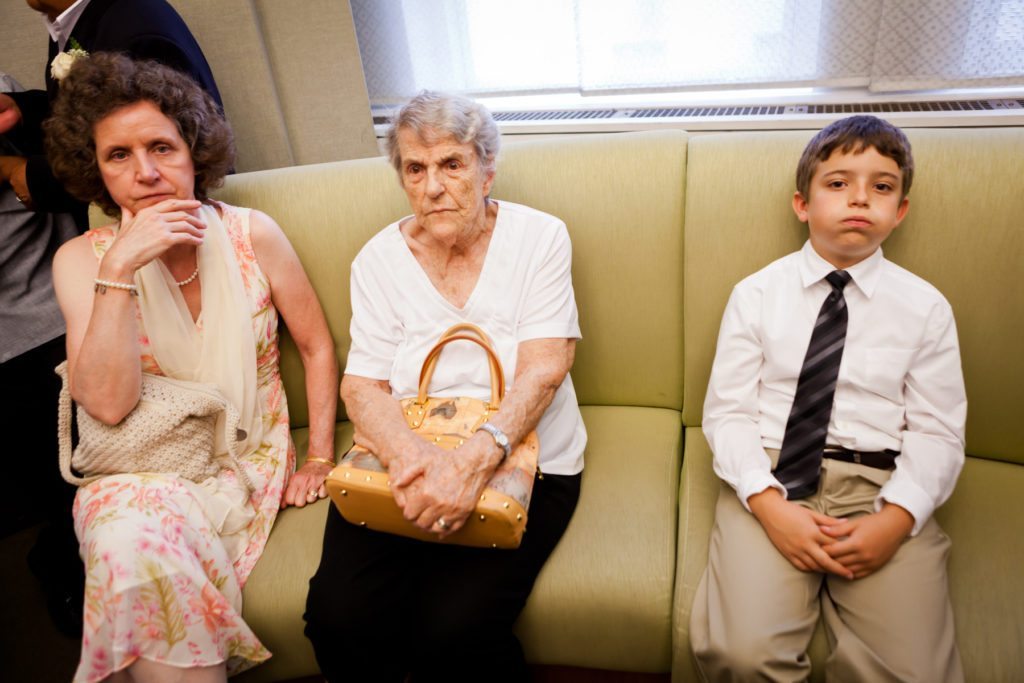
pixel 166 52
pixel 47 192
pixel 35 107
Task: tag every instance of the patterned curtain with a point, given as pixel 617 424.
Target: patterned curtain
pixel 484 47
pixel 949 43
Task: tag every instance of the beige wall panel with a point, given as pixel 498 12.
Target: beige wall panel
pixel 23 42
pixel 315 60
pixel 230 34
pixel 289 74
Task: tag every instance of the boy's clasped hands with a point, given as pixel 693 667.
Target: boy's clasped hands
pixel 815 542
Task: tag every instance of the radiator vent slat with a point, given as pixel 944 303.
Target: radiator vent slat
pixel 755 110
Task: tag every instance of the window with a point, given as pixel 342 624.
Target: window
pixel 489 47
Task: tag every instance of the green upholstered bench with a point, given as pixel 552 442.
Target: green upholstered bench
pixel 663 224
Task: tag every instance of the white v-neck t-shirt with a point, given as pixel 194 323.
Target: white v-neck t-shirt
pixel 524 292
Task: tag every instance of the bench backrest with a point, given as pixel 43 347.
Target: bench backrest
pixel 622 199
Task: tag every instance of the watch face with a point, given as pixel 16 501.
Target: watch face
pixel 500 437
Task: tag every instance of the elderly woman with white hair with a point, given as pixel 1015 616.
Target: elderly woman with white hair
pixel 382 607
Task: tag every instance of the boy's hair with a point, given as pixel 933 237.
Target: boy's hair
pixel 855 134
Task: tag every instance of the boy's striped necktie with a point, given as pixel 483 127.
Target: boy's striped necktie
pixel 799 465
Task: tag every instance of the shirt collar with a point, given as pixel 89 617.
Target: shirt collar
pixel 61 27
pixel 813 268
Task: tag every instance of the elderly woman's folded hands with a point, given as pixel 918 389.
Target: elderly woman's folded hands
pixel 438 489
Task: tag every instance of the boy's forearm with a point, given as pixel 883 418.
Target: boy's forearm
pixel 731 420
pixel 740 459
pixel 932 449
pixel 896 522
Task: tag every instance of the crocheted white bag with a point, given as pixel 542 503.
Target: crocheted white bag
pixel 172 429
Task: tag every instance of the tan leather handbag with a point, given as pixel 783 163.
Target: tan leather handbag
pixel 360 488
pixel 172 429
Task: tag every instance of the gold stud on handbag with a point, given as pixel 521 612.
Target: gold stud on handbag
pixel 360 488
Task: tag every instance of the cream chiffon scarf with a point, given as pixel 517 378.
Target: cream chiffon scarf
pixel 223 352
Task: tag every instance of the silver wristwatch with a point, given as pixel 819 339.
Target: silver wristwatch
pixel 499 438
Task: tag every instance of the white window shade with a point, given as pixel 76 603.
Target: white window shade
pixel 482 47
pixel 634 44
pixel 926 44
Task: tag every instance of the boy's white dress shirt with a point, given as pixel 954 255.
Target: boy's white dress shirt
pixel 900 383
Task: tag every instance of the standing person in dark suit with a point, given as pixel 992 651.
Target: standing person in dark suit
pixel 149 29
pixel 31 345
pixel 31 339
pixel 144 29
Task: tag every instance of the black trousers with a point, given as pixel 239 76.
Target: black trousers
pixel 28 415
pixel 381 607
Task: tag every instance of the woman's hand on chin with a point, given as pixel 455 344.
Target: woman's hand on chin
pixel 148 234
pixel 306 486
pixel 445 492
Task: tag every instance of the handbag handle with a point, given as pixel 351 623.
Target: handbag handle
pixel 64 429
pixel 478 337
pixel 465 327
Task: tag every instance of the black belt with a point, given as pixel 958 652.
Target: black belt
pixel 881 460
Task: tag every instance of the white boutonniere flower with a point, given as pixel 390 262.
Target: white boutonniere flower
pixel 61 64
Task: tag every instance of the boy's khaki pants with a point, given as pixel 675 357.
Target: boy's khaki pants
pixel 754 612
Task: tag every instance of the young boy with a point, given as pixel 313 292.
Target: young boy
pixel 850 366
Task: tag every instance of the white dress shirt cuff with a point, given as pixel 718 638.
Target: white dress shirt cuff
pixel 908 496
pixel 754 482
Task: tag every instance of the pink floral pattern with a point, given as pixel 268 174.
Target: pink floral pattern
pixel 159 581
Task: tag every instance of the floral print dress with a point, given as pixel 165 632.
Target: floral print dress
pixel 161 582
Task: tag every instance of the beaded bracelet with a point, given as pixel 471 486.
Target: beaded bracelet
pixel 102 286
pixel 323 460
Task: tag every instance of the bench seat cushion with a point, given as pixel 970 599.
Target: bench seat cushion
pixel 603 599
pixel 275 594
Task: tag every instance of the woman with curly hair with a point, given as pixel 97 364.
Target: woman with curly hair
pixel 188 287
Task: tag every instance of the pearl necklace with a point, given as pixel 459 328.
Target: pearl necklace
pixel 189 279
